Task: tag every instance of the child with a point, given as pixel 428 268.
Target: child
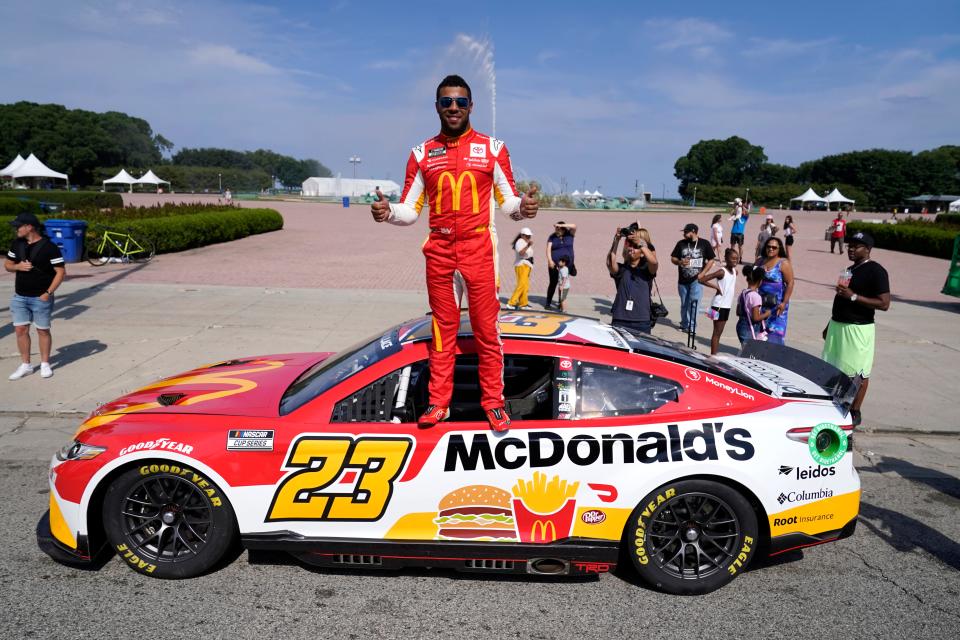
pixel 750 325
pixel 726 283
pixel 564 282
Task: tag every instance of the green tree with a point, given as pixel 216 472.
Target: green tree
pixel 733 161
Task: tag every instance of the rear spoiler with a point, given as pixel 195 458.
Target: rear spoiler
pixel 835 383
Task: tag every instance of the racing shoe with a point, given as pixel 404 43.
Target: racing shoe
pixel 498 419
pixel 432 416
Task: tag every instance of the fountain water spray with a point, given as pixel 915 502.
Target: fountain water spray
pixel 481 51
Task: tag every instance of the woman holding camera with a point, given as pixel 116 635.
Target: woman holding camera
pixel 776 288
pixel 633 277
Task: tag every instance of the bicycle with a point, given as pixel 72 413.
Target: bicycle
pixel 105 246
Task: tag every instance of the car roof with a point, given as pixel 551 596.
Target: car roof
pixel 528 325
pixel 572 329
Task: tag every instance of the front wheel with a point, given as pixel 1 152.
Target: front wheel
pixel 147 250
pixel 691 537
pixel 167 520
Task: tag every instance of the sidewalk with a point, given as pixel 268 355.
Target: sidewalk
pixel 112 336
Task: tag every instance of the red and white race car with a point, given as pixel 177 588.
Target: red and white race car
pixel 621 447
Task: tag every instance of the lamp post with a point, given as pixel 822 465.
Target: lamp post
pixel 219 183
pixel 694 196
pixel 355 160
pixel 747 199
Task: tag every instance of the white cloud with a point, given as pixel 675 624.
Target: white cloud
pixel 218 55
pixel 693 34
pixel 781 47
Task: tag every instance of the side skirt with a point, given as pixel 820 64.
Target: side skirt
pixel 568 557
pixel 791 541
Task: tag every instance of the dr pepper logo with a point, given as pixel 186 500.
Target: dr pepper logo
pixel 593 516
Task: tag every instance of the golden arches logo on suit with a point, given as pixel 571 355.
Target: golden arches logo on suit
pixel 456 184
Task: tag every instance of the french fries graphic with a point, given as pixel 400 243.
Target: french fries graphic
pixel 544 510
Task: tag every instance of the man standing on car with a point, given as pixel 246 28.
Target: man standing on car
pixel 850 335
pixel 39 270
pixel 460 175
pixel 693 256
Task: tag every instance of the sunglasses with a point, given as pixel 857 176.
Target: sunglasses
pixel 773 246
pixel 446 102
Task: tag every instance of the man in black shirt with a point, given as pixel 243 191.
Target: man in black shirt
pixel 631 306
pixel 850 335
pixel 39 270
pixel 692 256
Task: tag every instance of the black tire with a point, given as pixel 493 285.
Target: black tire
pixel 149 249
pixel 691 537
pixel 166 520
pixel 95 256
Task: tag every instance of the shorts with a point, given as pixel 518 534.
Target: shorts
pixel 789 241
pixel 563 294
pixel 28 309
pixel 722 314
pixel 850 347
pixel 736 238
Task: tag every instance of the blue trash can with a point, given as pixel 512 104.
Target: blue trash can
pixel 346 202
pixel 69 236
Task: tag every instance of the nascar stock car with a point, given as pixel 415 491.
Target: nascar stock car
pixel 623 449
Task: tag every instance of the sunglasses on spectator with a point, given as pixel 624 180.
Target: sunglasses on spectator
pixel 772 246
pixel 446 102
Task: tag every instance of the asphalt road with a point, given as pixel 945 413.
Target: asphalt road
pixel 899 575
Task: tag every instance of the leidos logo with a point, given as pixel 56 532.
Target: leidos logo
pixel 808 473
pixel 457 186
pixel 546 449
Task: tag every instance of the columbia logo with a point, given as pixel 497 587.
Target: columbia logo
pixel 785 470
pixel 782 498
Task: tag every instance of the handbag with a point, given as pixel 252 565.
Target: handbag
pixel 658 309
pixel 757 335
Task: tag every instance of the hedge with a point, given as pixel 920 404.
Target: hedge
pixel 948 218
pixel 179 232
pixel 71 200
pixel 924 238
pixel 123 214
pixel 13 206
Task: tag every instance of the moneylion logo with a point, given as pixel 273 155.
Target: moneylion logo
pixel 785 470
pixel 456 184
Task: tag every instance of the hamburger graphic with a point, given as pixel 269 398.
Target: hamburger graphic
pixel 476 512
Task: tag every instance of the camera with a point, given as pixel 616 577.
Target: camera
pixel 627 231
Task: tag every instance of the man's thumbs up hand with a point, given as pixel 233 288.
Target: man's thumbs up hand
pixel 529 205
pixel 380 208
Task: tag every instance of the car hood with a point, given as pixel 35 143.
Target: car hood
pixel 241 387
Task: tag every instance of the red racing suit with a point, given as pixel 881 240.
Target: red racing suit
pixel 459 180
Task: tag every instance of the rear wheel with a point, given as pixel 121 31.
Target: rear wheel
pixel 692 537
pixel 149 249
pixel 168 521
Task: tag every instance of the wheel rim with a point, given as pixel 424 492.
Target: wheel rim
pixel 693 536
pixel 167 518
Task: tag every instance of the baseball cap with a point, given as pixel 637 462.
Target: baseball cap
pixel 769 216
pixel 861 237
pixel 26 218
pixel 691 227
pixel 526 231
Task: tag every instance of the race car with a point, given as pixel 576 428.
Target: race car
pixel 623 448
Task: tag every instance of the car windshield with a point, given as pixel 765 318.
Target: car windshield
pixel 324 375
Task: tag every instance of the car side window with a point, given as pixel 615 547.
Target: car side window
pixel 402 395
pixel 605 391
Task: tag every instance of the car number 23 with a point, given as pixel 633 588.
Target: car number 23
pixel 319 461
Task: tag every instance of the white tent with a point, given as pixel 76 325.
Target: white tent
pixel 150 178
pixel 10 168
pixel 809 196
pixel 836 196
pixel 597 194
pixel 122 178
pixel 576 192
pixel 33 168
pixel 352 187
pixel 955 205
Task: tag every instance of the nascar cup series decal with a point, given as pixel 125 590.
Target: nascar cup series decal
pixel 250 440
pixel 827 444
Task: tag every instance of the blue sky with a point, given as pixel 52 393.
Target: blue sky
pixel 602 94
